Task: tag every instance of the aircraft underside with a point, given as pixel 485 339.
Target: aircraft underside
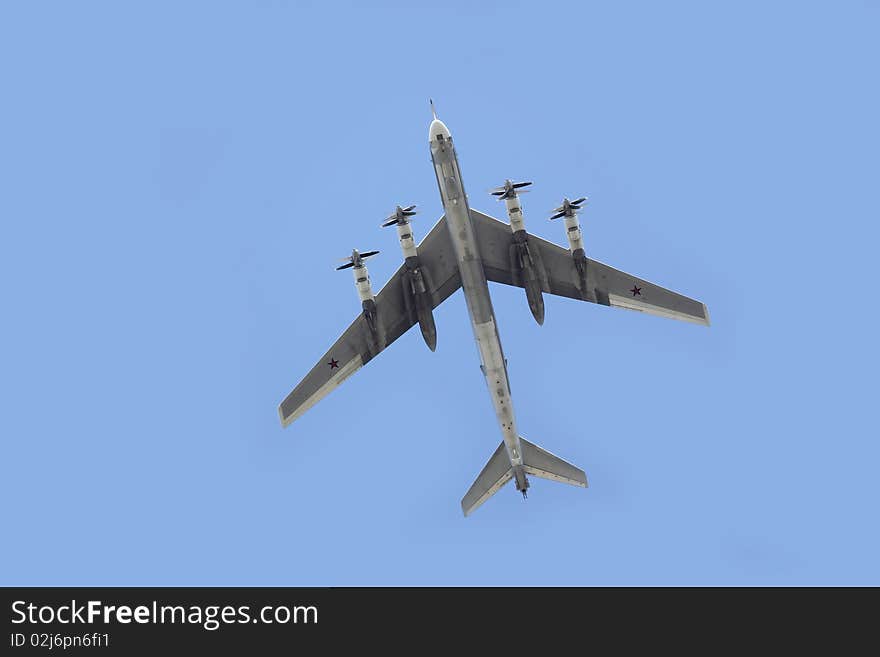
pixel 466 249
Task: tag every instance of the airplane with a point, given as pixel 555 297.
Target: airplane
pixel 466 249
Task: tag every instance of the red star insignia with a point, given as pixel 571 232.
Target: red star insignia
pixel 637 291
pixel 333 363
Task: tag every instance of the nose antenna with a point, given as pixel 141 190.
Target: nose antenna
pixel 433 111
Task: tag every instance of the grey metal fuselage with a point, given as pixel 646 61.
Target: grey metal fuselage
pixel 476 291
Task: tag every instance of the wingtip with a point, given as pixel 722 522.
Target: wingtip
pixel 706 320
pixel 285 421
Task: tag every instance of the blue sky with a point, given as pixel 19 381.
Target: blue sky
pixel 179 180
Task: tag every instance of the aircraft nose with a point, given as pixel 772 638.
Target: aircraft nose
pixel 438 128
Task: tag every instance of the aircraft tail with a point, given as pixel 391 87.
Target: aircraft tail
pixel 541 463
pixel 536 461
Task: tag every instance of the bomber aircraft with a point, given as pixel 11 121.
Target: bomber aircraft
pixel 465 249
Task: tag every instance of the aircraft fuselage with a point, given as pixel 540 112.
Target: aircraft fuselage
pixel 476 291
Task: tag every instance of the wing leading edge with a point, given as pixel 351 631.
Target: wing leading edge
pixel 604 285
pixel 357 345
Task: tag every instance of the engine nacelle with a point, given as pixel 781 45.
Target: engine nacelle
pixel 514 214
pixel 569 212
pixel 407 241
pixel 368 304
pixel 362 283
pixel 525 261
pixel 416 295
pixel 576 246
pixel 573 232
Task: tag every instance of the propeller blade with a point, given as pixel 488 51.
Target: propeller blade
pixel 557 215
pixel 408 213
pixel 511 191
pixel 579 201
pixel 368 254
pixel 390 221
pixel 347 265
pixel 410 209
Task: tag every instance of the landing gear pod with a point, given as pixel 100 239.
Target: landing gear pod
pixel 420 301
pixel 527 263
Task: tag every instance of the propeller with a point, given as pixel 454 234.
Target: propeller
pixel 401 216
pixel 510 189
pixel 568 208
pixel 356 259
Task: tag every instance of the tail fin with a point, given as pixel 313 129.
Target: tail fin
pixel 536 461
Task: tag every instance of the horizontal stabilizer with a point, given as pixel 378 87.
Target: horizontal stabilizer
pixel 535 461
pixel 541 463
pixel 496 473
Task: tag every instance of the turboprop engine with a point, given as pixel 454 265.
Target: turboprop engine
pixel 355 262
pixel 524 260
pixel 568 210
pixel 416 293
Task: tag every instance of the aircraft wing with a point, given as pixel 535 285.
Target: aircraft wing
pixel 604 285
pixel 356 347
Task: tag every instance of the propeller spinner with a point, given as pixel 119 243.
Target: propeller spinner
pixel 400 217
pixel 356 259
pixel 510 189
pixel 568 208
